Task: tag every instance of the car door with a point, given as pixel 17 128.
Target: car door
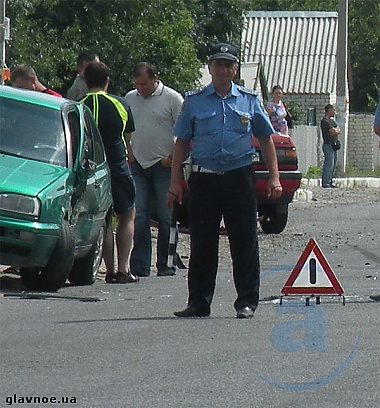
pixel 92 199
pixel 102 175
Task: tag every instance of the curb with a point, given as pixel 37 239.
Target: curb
pixel 303 194
pixel 347 182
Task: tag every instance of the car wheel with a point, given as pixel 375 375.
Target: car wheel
pixel 273 222
pixel 53 276
pixel 85 269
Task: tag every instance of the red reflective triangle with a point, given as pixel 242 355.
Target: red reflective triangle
pixel 312 275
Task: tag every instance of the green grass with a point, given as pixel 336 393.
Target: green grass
pixel 351 171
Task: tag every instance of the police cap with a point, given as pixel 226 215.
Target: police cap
pixel 224 51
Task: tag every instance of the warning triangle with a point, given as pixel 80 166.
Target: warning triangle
pixel 312 275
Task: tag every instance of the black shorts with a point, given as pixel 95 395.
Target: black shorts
pixel 123 193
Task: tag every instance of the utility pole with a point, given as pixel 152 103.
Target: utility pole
pixel 4 71
pixel 342 95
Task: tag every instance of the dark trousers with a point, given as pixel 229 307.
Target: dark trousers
pixel 232 197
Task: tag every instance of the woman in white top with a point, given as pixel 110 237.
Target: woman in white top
pixel 277 111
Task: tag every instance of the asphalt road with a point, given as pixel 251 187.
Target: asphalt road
pixel 121 346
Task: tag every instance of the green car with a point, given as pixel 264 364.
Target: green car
pixel 55 189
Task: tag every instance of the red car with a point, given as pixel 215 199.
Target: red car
pixel 272 214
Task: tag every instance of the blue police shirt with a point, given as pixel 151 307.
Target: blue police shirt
pixel 221 128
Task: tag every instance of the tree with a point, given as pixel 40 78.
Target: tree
pixel 173 34
pixel 48 34
pixel 216 21
pixel 364 46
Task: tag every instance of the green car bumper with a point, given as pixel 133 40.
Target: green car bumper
pixel 26 243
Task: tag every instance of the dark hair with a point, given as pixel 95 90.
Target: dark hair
pixel 96 74
pixel 86 56
pixel 22 71
pixel 277 87
pixel 328 107
pixel 142 67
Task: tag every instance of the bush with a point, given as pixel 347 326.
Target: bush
pixel 313 172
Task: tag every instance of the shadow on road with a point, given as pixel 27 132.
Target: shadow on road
pixel 10 281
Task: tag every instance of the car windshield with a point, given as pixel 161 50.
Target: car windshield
pixel 32 131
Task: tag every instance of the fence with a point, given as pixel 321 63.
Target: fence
pixel 362 144
pixel 306 139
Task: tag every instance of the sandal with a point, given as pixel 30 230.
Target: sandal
pixel 125 277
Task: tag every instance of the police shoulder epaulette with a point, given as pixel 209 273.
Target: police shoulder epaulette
pixel 195 91
pixel 247 91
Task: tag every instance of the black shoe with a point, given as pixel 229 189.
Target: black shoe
pixel 140 274
pixel 245 313
pixel 110 277
pixel 375 298
pixel 192 311
pixel 166 272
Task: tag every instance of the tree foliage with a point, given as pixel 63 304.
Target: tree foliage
pixel 173 34
pixel 49 34
pixel 363 43
pixel 364 46
pixel 216 21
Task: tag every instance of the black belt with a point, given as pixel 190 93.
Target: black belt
pixel 198 169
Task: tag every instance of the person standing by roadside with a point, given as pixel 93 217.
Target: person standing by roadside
pixel 25 77
pixel 277 111
pixel 330 132
pixel 376 122
pixel 155 108
pixel 79 89
pixel 376 129
pixel 217 122
pixel 114 119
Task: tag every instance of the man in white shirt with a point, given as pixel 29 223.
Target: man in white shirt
pixel 155 109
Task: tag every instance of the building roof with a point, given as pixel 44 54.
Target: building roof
pixel 297 49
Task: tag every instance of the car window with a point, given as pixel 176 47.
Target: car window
pixel 32 131
pixel 74 125
pixel 92 133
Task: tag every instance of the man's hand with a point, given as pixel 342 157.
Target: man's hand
pixel 130 155
pixel 335 131
pixel 175 194
pixel 274 190
pixel 166 162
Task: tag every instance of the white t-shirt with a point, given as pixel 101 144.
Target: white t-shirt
pixel 154 119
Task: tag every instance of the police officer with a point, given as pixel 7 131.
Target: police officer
pixel 217 122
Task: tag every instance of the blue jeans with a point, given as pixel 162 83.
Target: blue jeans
pixel 329 164
pixel 152 185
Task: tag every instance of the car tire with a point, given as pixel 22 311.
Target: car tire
pixel 272 222
pixel 53 276
pixel 85 269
